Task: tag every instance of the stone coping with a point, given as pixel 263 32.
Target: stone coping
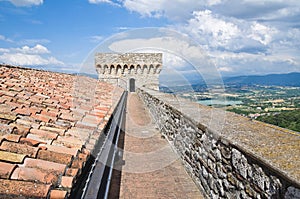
pixel 277 148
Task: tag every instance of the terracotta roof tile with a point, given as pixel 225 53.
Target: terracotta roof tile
pixel 86 125
pixel 47 120
pixel 14 104
pixel 70 142
pixel 23 111
pixel 43 118
pixel 60 149
pixel 79 132
pixel 72 172
pixel 49 113
pixel 35 174
pixel 39 138
pixel 67 116
pixel 77 163
pixel 31 142
pixel 5 129
pixel 28 123
pixel 11 157
pixel 8 116
pixel 2 121
pixel 64 123
pixel 58 194
pixel 67 181
pixel 44 134
pixel 14 189
pixel 6 169
pixel 12 137
pixel 8 93
pixel 44 165
pixel 19 148
pixel 19 129
pixel 61 158
pixel 59 131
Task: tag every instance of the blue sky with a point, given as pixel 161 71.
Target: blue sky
pixel 240 37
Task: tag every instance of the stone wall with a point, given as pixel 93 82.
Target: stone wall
pixel 220 166
pixel 144 68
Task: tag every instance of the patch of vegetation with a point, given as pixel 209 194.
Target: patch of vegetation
pixel 288 119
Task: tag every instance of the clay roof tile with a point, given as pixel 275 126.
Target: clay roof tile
pixel 11 157
pixel 6 169
pixel 19 148
pixel 57 157
pixel 14 189
pixel 35 174
pixel 58 194
pixel 46 119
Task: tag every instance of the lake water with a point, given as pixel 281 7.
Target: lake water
pixel 219 102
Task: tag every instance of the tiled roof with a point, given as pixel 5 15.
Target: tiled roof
pixel 49 124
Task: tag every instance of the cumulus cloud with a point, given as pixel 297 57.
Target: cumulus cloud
pixel 218 31
pixel 28 59
pixel 37 49
pixel 258 9
pixel 177 10
pixel 261 33
pixel 229 34
pixel 240 36
pixel 28 56
pixel 26 2
pixel 242 9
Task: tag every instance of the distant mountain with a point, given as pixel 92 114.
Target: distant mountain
pixel 290 79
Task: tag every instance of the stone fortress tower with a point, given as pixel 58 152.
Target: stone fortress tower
pixel 130 70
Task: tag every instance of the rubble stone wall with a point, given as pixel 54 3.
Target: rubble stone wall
pixel 219 167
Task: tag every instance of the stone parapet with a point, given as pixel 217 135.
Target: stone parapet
pixel 227 155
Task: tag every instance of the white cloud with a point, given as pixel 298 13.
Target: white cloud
pixel 104 1
pixel 145 7
pixel 37 49
pixel 218 31
pixel 177 10
pixel 3 38
pixel 26 2
pixel 242 36
pixel 28 56
pixel 28 59
pixel 234 35
pixel 246 63
pixel 225 69
pixel 31 42
pixel 4 50
pixel 262 33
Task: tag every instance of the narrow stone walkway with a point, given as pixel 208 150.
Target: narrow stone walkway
pixel 151 169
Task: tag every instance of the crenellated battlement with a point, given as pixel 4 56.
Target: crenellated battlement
pixel 142 69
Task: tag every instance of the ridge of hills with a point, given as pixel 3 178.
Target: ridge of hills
pixel 289 79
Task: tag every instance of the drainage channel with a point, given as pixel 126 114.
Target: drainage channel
pixel 98 172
